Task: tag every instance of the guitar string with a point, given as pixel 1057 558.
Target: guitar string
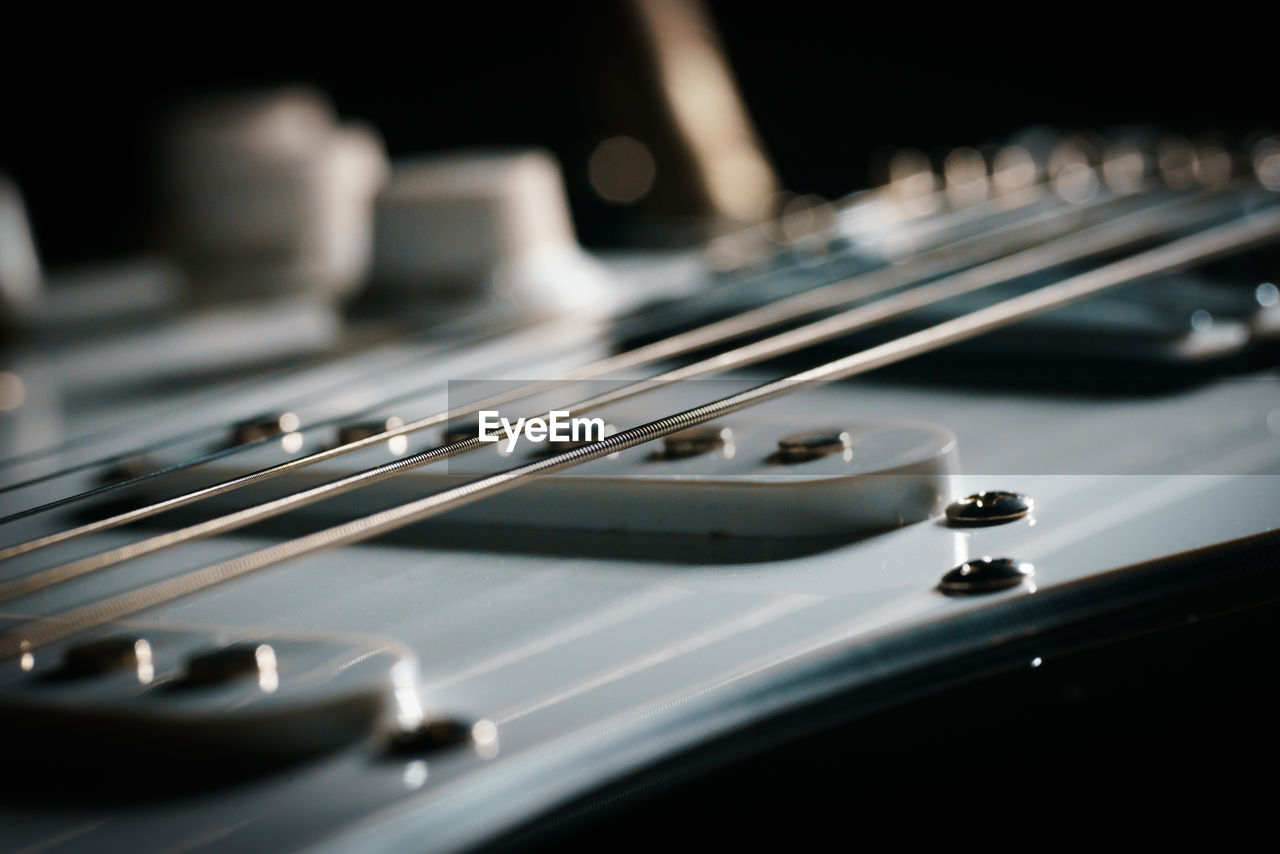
pixel 1244 233
pixel 860 286
pixel 1112 236
pixel 878 197
pixel 142 512
pixel 220 453
pixel 1008 233
pixel 369 348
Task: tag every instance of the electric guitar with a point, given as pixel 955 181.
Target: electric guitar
pixel 764 486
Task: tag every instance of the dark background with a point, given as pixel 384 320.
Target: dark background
pixel 830 85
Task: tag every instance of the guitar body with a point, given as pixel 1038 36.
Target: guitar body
pixel 946 507
pixel 589 646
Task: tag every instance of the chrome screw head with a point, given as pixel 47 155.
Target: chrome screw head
pixel 985 575
pixel 989 508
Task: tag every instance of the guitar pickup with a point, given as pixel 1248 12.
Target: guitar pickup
pixel 742 477
pixel 196 705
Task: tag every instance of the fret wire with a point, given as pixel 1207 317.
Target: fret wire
pixel 936 262
pixel 1104 240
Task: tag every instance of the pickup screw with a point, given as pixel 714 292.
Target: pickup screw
pixel 812 444
pixel 697 441
pixel 363 430
pixel 109 655
pixel 459 432
pixel 989 508
pixel 236 661
pixel 552 447
pixel 985 575
pixel 257 429
pixel 125 469
pixel 398 445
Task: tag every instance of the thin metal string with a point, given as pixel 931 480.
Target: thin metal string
pixel 1112 236
pixel 1206 245
pixel 470 339
pixel 861 286
pixel 232 450
pixel 986 211
pixel 1008 235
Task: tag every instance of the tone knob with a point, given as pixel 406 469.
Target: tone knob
pixel 19 265
pixel 269 194
pixel 482 225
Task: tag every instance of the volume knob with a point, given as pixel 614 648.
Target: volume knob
pixel 268 194
pixel 482 225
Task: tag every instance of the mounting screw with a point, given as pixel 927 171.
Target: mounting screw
pixel 989 508
pixel 985 575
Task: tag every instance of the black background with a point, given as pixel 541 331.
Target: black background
pixel 830 85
